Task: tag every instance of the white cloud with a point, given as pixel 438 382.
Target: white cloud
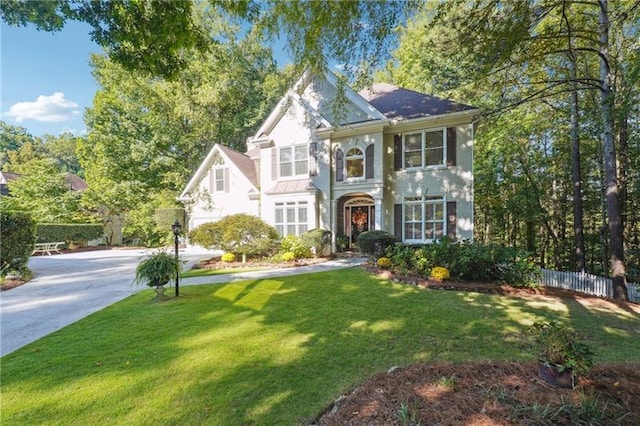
pixel 49 109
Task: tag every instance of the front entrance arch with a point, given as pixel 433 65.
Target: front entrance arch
pixel 359 217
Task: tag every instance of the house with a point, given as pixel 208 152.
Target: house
pixel 328 157
pixel 74 182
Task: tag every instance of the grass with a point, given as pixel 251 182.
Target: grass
pixel 206 272
pixel 272 351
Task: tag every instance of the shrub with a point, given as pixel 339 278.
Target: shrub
pixel 375 243
pixel 295 245
pixel 466 261
pixel 70 233
pixel 558 345
pixel 439 273
pixel 318 240
pixel 228 257
pixel 383 263
pixel 17 238
pixel 238 233
pixel 288 256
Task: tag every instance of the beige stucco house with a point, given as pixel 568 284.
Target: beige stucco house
pixel 327 157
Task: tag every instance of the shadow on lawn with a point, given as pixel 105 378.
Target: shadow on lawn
pixel 273 351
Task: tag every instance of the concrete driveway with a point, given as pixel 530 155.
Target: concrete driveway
pixel 68 287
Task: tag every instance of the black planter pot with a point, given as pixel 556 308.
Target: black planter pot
pixel 550 374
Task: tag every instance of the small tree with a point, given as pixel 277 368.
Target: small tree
pixel 239 233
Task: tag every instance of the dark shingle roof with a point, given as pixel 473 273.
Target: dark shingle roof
pixel 403 104
pixel 245 164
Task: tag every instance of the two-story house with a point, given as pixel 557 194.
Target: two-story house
pixel 327 157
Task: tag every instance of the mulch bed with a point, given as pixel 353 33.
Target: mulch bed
pixel 488 393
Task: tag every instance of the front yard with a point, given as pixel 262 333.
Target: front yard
pixel 274 351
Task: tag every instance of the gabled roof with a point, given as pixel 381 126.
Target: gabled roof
pixel 76 183
pixel 293 95
pixel 403 104
pixel 243 163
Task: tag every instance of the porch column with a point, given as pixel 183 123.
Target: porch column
pixel 378 210
pixel 334 225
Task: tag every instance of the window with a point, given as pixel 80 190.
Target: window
pixel 423 219
pixel 355 163
pixel 425 149
pixel 291 218
pixel 219 180
pixel 294 161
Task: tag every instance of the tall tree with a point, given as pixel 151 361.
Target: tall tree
pixel 520 48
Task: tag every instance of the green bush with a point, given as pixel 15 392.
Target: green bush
pixel 375 243
pixel 17 238
pixel 239 233
pixel 295 245
pixel 318 240
pixel 70 233
pixel 465 261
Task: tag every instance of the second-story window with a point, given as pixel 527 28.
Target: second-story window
pixel 425 149
pixel 294 161
pixel 354 160
pixel 219 180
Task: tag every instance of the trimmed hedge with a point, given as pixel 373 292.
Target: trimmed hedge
pixel 166 217
pixel 68 232
pixel 375 242
pixel 17 238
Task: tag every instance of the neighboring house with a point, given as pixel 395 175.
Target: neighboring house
pixel 386 158
pixel 74 182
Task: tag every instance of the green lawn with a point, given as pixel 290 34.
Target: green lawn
pixel 270 352
pixel 206 272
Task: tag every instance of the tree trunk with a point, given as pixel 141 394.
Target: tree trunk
pixel 613 203
pixel 576 175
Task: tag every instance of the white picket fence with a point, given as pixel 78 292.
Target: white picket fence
pixel 585 283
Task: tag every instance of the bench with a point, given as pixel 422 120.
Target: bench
pixel 47 248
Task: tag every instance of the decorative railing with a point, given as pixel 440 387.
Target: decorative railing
pixel 585 283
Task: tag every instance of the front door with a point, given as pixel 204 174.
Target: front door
pixel 359 217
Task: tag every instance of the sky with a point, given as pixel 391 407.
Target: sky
pixel 45 78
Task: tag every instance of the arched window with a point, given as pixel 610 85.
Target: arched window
pixel 354 163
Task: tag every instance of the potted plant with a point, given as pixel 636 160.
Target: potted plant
pixel 157 270
pixel 562 356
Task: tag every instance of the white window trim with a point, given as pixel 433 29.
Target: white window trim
pixel 423 140
pixel 423 202
pixel 216 180
pixel 363 157
pixel 292 162
pixel 297 206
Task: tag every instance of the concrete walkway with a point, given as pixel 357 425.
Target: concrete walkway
pixel 69 287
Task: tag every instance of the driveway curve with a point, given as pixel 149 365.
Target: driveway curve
pixel 68 287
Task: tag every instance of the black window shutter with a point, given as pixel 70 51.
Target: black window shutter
pixel 369 162
pixel 339 165
pixel 274 164
pixel 313 157
pixel 397 152
pixel 451 219
pixel 397 221
pixel 451 146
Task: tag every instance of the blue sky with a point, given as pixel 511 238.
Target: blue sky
pixel 45 79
